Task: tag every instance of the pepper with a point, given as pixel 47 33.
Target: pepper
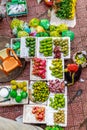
pixel 72 67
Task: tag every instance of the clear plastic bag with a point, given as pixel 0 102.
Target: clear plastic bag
pixel 3 2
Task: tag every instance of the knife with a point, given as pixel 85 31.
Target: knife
pixel 5 100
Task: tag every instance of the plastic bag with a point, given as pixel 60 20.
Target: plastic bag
pixel 45 23
pixel 2 10
pixel 3 2
pixel 69 34
pixel 38 1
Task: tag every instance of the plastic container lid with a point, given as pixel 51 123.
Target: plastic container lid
pixel 4 92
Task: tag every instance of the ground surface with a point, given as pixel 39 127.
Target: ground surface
pixel 77 111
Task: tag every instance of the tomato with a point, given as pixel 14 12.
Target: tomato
pixel 40 116
pixel 33 111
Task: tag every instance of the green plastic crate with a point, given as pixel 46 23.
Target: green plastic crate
pixel 8 5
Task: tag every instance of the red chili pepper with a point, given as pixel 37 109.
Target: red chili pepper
pixel 72 67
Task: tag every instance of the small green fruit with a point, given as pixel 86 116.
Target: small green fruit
pixel 24 95
pixel 13 93
pixel 18 99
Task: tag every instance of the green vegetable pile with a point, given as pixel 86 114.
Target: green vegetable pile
pixel 57 102
pixel 65 9
pixel 56 127
pixel 57 68
pixel 63 43
pixel 42 34
pixel 18 90
pixel 30 42
pixel 40 91
pixel 46 47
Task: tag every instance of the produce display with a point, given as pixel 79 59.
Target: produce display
pixel 56 86
pixel 16 45
pixel 58 101
pixel 39 113
pixel 59 117
pixel 39 28
pixel 46 47
pixel 65 9
pixel 40 91
pixel 31 44
pixel 56 31
pixel 18 90
pixel 64 44
pixel 39 67
pixel 55 127
pixel 56 68
pixel 80 58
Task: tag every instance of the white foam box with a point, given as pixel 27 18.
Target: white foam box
pixel 69 46
pixel 41 55
pixel 29 117
pixel 12 100
pixel 34 77
pixel 49 76
pixel 51 111
pixel 24 51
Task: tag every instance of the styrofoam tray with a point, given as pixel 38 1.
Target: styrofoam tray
pixel 38 46
pixel 57 21
pixel 49 76
pixel 12 42
pixel 50 120
pixel 31 90
pixel 65 90
pixel 24 50
pixel 52 96
pixel 42 56
pixel 12 101
pixel 34 77
pixel 69 46
pixel 28 117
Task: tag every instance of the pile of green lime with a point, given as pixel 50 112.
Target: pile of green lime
pixel 58 101
pixel 21 87
pixel 55 127
pixel 40 91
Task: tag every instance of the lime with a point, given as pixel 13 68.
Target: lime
pixel 13 93
pixel 24 95
pixel 18 99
